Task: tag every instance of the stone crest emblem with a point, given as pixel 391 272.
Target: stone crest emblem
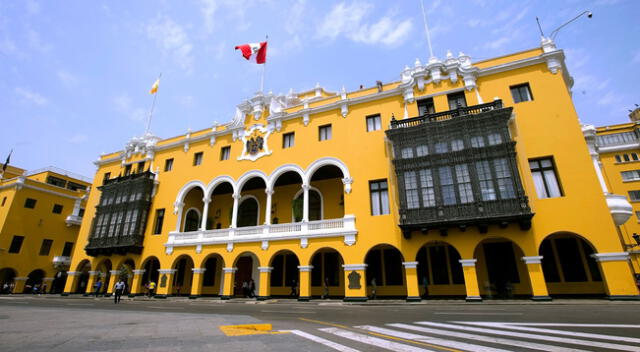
pixel 254 145
pixel 255 140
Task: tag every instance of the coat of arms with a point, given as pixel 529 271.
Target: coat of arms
pixel 255 140
pixel 255 145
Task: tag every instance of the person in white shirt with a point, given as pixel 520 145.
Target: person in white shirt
pixel 119 289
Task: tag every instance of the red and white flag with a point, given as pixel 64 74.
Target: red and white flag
pixel 256 52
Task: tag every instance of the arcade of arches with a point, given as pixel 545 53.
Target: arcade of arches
pixel 500 270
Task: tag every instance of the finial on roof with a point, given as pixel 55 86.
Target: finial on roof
pixel 418 63
pixel 449 54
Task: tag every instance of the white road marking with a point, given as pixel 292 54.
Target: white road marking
pixel 477 313
pixel 285 312
pixel 612 346
pixel 489 339
pixel 163 307
pixel 374 341
pixel 320 340
pixel 625 326
pixel 555 332
pixel 433 340
pixel 79 304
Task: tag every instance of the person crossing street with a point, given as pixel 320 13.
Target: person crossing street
pixel 119 289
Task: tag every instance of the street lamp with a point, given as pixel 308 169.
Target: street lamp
pixel 636 237
pixel 554 33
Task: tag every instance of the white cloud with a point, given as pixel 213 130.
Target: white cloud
pixel 67 78
pixel 173 41
pixel 36 43
pixel 124 106
pixel 295 17
pixel 610 99
pixel 349 21
pixel 31 97
pixel 208 11
pixel 78 138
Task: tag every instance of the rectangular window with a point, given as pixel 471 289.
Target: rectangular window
pixel 441 147
pixel 16 244
pixel 52 180
pixel 4 200
pixel 456 100
pixel 107 175
pixel 426 107
pixel 127 170
pixel 68 247
pixel 379 192
pixel 446 185
pixel 464 183
pixel 503 176
pixel 494 138
pixel 634 156
pixel 197 158
pixel 373 123
pixel 75 186
pixel 477 142
pixel 617 139
pixel 626 157
pixel 411 189
pixel 141 167
pixel 456 145
pixel 634 196
pixel 225 153
pixel 57 209
pixel 45 248
pixel 545 178
pixel 407 153
pixel 618 159
pixel 631 175
pixel 30 203
pixel 521 93
pixel 288 140
pixel 168 165
pixel 487 189
pixel 428 191
pixel 422 150
pixel 157 227
pixel 324 132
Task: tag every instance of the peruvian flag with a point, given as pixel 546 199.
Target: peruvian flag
pixel 256 52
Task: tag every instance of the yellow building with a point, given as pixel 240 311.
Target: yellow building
pixel 459 179
pixel 40 216
pixel 617 148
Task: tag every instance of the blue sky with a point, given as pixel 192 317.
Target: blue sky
pixel 75 75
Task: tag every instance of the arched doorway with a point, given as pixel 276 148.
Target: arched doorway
pixel 125 273
pixel 34 281
pixel 247 264
pixel 327 179
pixel 500 269
pixel 248 212
pixel 7 276
pixel 385 272
pixel 285 273
pixel 568 267
pixel 183 277
pixel 327 275
pixel 439 271
pixel 315 205
pixel 59 281
pixel 220 211
pixel 212 279
pixel 82 276
pixel 103 272
pixel 192 220
pixel 150 266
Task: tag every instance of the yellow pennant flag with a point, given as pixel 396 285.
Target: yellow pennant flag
pixel 154 87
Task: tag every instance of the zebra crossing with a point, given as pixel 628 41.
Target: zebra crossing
pixel 474 336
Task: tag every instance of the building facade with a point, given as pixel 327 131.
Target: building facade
pixel 40 216
pixel 617 148
pixel 460 179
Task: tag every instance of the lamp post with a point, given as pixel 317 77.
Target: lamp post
pixel 554 33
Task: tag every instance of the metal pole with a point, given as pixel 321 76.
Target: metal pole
pixel 155 96
pixel 264 67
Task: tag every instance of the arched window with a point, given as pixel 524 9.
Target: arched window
pixel 315 206
pixel 192 221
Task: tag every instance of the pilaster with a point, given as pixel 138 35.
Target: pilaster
pixel 471 280
pixel 536 276
pixel 305 282
pixel 264 291
pixel 165 282
pixel 196 282
pixel 411 278
pixel 71 282
pixel 355 282
pixel 137 282
pixel 229 283
pixel 617 275
pixel 19 282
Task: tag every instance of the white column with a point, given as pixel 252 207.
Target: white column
pixel 267 211
pixel 234 217
pixel 205 212
pixel 305 207
pixel 177 209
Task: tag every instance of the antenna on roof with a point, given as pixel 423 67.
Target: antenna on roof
pixel 426 29
pixel 539 27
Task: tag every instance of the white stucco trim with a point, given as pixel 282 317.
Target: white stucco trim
pixel 532 260
pixel 468 262
pixel 610 257
pixel 349 267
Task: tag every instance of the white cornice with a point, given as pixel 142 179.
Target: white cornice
pixel 41 189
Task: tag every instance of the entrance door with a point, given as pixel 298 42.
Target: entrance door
pixel 245 267
pixel 501 267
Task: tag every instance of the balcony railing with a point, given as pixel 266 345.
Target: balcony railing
pixel 297 230
pixel 447 115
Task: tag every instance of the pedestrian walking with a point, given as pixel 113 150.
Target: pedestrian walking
pixel 96 288
pixel 374 287
pixel 325 293
pixel 294 288
pixel 425 284
pixel 119 289
pixel 152 289
pixel 252 288
pixel 245 289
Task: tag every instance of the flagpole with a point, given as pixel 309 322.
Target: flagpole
pixel 264 67
pixel 153 105
pixel 4 166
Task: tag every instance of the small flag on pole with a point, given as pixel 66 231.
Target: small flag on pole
pixel 255 52
pixel 154 87
pixel 6 163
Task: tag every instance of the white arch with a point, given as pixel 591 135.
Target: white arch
pixel 249 175
pixel 321 201
pixel 183 223
pixel 323 162
pixel 218 181
pixel 245 197
pixel 186 188
pixel 281 170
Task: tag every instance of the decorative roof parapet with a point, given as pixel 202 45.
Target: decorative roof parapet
pixel 144 144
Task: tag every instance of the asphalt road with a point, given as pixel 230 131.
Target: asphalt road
pixel 87 324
